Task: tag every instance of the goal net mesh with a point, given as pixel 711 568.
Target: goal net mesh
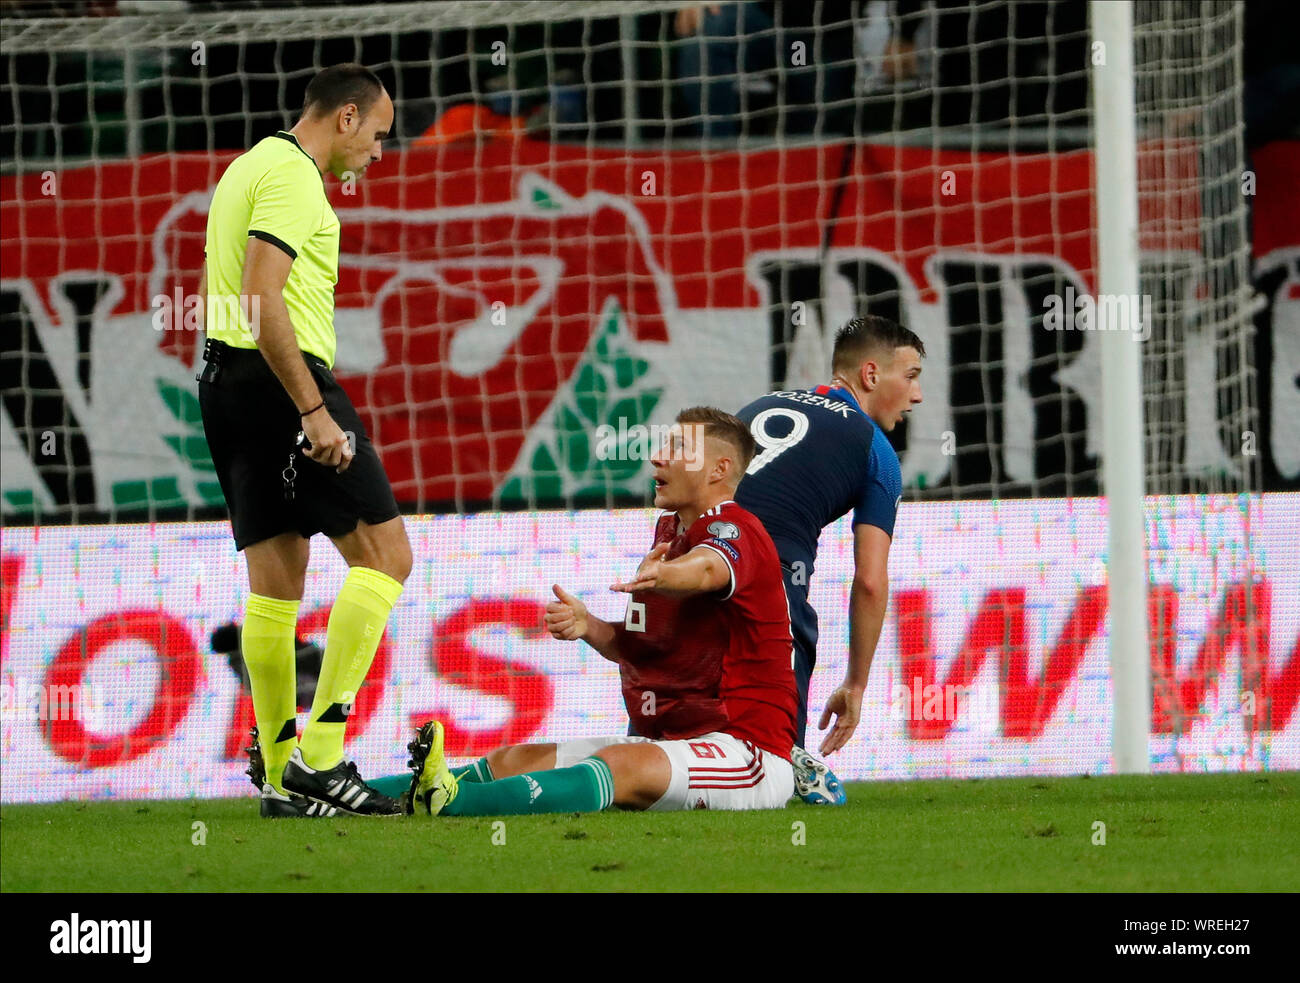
pixel 563 172
pixel 592 214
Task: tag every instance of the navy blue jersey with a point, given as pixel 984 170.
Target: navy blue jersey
pixel 819 456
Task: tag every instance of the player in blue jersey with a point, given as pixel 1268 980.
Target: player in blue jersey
pixel 821 453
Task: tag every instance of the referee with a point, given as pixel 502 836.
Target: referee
pixel 271 264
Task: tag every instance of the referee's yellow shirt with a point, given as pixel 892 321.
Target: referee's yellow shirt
pixel 274 192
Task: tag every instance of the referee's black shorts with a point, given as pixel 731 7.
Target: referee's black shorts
pixel 252 427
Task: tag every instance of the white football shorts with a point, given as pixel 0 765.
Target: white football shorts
pixel 712 771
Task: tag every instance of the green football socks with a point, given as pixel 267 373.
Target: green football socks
pixel 356 625
pixel 394 785
pixel 479 771
pixel 587 786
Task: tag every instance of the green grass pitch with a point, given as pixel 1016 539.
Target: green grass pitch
pixel 1167 833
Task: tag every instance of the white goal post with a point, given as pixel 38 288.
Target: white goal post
pixel 1123 476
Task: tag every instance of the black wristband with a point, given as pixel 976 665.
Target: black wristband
pixel 312 410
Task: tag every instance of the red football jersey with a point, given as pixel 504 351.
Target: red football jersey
pixel 713 662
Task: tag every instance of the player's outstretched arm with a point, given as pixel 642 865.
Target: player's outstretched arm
pixel 700 571
pixel 568 619
pixel 867 603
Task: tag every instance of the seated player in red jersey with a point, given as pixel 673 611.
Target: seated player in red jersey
pixel 705 655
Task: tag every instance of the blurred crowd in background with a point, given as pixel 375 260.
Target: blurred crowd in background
pixel 742 71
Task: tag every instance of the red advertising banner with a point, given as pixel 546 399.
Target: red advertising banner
pixel 994 658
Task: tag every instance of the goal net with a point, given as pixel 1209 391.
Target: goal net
pixel 592 214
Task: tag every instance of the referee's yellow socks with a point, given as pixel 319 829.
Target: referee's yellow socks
pixel 356 624
pixel 270 653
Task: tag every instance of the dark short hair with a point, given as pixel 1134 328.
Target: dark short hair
pixel 338 85
pixel 723 426
pixel 862 337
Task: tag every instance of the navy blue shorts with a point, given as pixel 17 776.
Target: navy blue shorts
pixel 803 626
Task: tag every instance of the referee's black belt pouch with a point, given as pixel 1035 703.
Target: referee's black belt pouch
pixel 213 356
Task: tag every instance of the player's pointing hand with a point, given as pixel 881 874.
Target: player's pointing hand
pixel 566 618
pixel 647 574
